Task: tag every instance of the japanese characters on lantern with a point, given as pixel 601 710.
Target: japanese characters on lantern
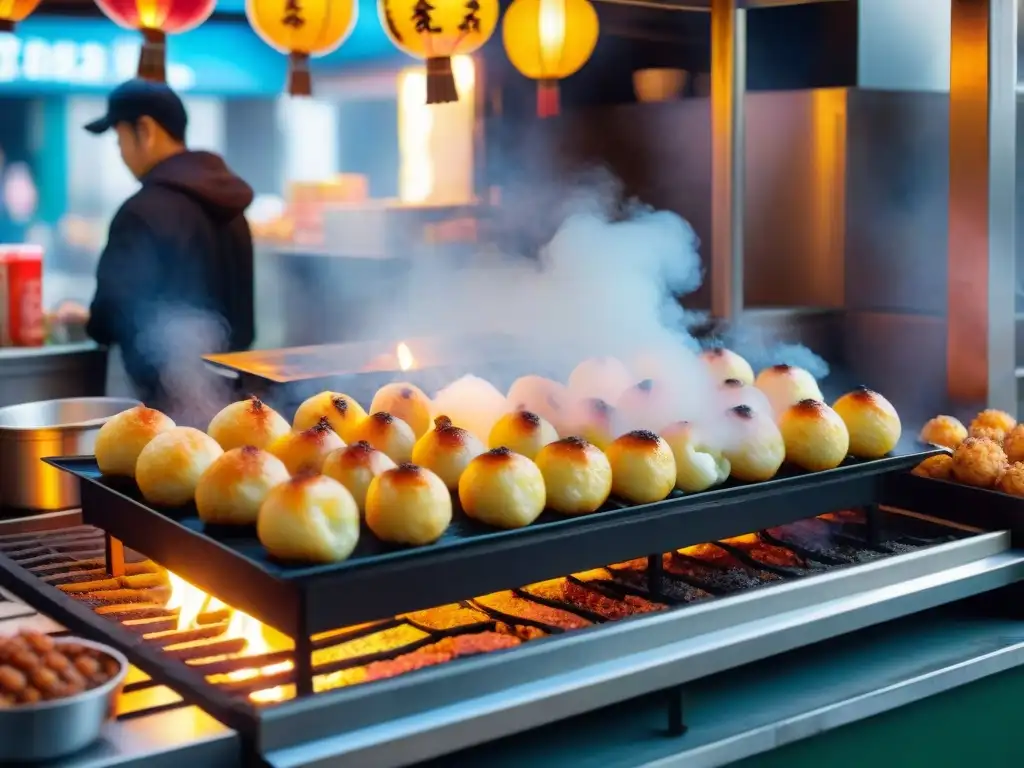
pixel 13 11
pixel 156 19
pixel 436 30
pixel 548 40
pixel 302 28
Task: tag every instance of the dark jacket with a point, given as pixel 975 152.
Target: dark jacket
pixel 178 247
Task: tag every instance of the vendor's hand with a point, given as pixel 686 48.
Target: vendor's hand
pixel 71 313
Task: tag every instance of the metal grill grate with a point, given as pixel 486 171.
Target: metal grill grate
pixel 72 560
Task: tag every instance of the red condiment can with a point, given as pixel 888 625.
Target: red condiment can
pixel 22 321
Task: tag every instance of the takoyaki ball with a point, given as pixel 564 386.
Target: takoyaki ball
pixel 547 398
pixel 341 411
pixel 978 462
pixel 122 438
pixel 446 450
pixel 354 466
pixel 699 465
pixel 816 438
pixel 503 489
pixel 169 467
pixel 1013 444
pixel 577 476
pixel 872 422
pixel 247 422
pixel 232 489
pixel 725 364
pixel 945 431
pixel 408 505
pixel 387 433
pixel 994 434
pixel 473 404
pixel 995 419
pixel 600 378
pixel 648 404
pixel 305 451
pixel 309 519
pixel 733 392
pixel 523 432
pixel 1012 480
pixel 593 420
pixel 786 385
pixel 643 468
pixel 755 449
pixel 938 467
pixel 406 402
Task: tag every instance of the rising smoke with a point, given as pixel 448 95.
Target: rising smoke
pixel 608 283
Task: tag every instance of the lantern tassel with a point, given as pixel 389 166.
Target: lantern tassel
pixel 440 81
pixel 300 82
pixel 153 58
pixel 547 98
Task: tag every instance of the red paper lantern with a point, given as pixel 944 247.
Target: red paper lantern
pixel 156 19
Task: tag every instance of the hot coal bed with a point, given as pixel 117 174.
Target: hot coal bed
pixel 72 563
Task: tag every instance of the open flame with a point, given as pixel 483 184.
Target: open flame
pixel 404 355
pixel 191 602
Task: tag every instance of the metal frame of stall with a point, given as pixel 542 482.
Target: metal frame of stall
pixel 982 185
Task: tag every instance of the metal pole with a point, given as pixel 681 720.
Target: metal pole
pixel 728 88
pixel 982 166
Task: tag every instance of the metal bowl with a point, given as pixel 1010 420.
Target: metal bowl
pixel 53 729
pixel 31 432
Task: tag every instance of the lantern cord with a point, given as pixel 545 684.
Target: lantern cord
pixel 440 80
pixel 153 58
pixel 300 82
pixel 6 25
pixel 547 98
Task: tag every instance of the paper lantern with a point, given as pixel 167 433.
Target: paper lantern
pixel 13 11
pixel 156 19
pixel 436 30
pixel 548 40
pixel 302 28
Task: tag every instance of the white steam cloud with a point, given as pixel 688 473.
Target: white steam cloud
pixel 608 283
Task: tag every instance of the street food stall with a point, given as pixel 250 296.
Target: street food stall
pixel 579 603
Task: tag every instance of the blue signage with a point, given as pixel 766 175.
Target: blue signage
pixel 55 55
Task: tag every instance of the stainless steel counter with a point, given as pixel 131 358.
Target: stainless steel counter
pixel 762 707
pixel 46 373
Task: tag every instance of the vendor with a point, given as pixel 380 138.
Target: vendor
pixel 175 280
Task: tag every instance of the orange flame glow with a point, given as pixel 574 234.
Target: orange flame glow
pixel 406 361
pixel 191 602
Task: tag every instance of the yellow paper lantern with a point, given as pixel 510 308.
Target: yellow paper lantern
pixel 302 28
pixel 436 30
pixel 13 11
pixel 548 40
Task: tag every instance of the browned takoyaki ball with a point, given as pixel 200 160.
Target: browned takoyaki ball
pixel 939 467
pixel 978 461
pixel 1012 480
pixel 945 431
pixel 994 434
pixel 994 418
pixel 1013 444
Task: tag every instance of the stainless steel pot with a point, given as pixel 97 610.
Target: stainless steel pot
pixel 31 432
pixel 52 729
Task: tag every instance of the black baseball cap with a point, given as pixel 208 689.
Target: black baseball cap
pixel 143 98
